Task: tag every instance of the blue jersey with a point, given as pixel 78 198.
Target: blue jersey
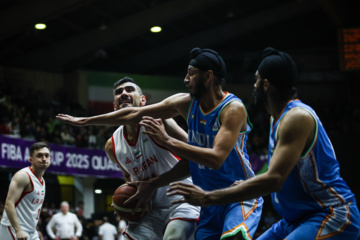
pixel 202 129
pixel 315 183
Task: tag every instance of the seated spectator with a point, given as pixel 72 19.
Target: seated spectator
pixel 100 138
pixel 14 126
pixel 66 137
pixel 4 125
pixel 91 137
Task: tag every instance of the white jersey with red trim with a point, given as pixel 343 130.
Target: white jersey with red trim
pixel 28 207
pixel 144 159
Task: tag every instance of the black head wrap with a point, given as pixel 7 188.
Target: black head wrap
pixel 279 68
pixel 208 59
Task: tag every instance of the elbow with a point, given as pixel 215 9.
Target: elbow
pixel 215 166
pixel 216 163
pixel 277 181
pixel 8 205
pixel 277 187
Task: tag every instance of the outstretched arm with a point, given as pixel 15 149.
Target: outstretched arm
pixel 19 183
pixel 170 107
pixel 295 134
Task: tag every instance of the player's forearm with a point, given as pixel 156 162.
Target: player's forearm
pixel 205 156
pixel 127 178
pixel 255 187
pixel 179 172
pixel 115 118
pixel 11 213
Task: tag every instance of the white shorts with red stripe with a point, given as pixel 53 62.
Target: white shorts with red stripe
pixel 8 233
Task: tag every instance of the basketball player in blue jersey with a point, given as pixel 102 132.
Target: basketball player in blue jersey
pixel 303 176
pixel 218 127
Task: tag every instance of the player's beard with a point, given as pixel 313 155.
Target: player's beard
pixel 259 95
pixel 125 105
pixel 199 89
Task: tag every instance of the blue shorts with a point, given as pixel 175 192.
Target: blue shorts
pixel 336 223
pixel 222 221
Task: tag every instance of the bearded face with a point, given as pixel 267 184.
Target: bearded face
pixel 259 92
pixel 199 88
pixel 195 82
pixel 259 95
pixel 128 95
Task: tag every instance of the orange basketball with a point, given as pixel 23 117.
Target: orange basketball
pixel 121 194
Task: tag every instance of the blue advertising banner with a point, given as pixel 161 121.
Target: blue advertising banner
pixel 66 160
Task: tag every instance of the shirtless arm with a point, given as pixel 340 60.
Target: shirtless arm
pixel 296 131
pixel 19 183
pixel 170 107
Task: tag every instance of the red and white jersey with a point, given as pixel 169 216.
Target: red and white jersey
pixel 144 159
pixel 28 207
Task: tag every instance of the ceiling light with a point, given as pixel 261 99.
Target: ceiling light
pixel 98 191
pixel 155 29
pixel 40 26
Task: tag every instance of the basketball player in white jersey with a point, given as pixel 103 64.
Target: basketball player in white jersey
pixel 25 197
pixel 140 158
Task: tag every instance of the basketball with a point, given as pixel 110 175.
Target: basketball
pixel 121 194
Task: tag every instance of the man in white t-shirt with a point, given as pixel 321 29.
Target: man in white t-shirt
pixel 64 223
pixel 107 231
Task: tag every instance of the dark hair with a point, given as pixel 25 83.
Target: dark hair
pixel 38 145
pixel 125 80
pixel 279 68
pixel 208 59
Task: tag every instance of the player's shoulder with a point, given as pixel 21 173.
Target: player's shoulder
pixel 22 176
pixel 297 115
pixel 109 145
pixel 234 106
pixel 232 99
pixel 298 120
pixel 236 102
